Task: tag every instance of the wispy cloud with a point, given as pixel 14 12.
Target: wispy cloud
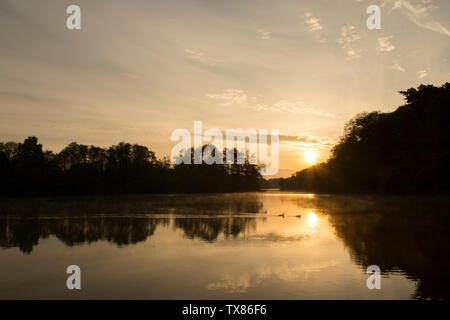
pixel 298 107
pixel 398 67
pixel 200 57
pixel 306 140
pixel 384 44
pixel 348 35
pixel 263 34
pixel 230 97
pixel 421 74
pixel 347 39
pixel 237 97
pixel 312 23
pixel 313 26
pixel 419 15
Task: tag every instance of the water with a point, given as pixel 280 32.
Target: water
pixel 227 246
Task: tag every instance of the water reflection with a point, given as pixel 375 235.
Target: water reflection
pixel 406 237
pixel 402 238
pixel 122 220
pixel 209 229
pixel 25 233
pixel 312 219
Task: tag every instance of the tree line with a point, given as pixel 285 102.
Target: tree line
pixel 404 151
pixel 27 169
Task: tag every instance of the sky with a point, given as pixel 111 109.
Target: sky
pixel 139 69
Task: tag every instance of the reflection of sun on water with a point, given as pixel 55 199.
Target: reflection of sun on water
pixel 312 219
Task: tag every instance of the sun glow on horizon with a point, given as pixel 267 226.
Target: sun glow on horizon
pixel 310 156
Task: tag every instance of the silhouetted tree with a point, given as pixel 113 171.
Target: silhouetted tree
pixel 405 151
pixel 26 169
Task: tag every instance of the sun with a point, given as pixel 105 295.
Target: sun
pixel 310 156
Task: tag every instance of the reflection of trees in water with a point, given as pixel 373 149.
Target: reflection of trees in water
pixel 405 235
pixel 121 231
pixel 25 233
pixel 220 203
pixel 134 204
pixel 22 233
pixel 209 229
pixel 76 220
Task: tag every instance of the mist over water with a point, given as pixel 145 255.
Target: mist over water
pixel 259 245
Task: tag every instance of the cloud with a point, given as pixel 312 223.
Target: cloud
pixel 419 15
pixel 264 35
pixel 312 23
pixel 353 53
pixel 346 40
pixel 230 96
pixel 422 74
pixel 237 97
pixel 306 140
pixel 297 107
pixel 398 67
pixel 313 26
pixel 200 57
pixel 348 35
pixel 384 44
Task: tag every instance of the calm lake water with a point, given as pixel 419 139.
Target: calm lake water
pixel 227 246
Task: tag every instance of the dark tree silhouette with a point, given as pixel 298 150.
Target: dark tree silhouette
pixel 26 169
pixel 405 151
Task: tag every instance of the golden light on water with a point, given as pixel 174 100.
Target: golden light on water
pixel 312 219
pixel 310 156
